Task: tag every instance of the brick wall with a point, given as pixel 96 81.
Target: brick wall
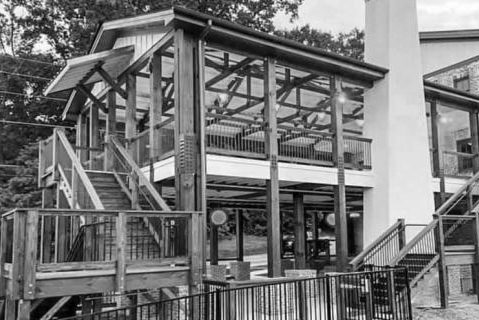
pixel 471 70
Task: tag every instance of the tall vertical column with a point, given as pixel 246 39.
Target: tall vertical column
pixel 94 134
pixel 474 139
pixel 299 231
pixel 130 130
pixel 189 133
pixel 341 225
pixel 272 185
pixel 110 128
pixel 395 118
pixel 156 105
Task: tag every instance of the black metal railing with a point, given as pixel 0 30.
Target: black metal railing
pixel 383 249
pixel 378 294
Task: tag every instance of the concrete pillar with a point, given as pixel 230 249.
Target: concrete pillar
pixel 395 118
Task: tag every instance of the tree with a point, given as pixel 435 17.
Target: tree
pixel 70 25
pixel 350 44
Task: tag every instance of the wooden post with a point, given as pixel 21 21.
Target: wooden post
pixel 29 267
pixel 156 104
pixel 299 232
pixel 239 235
pixel 441 266
pixel 476 258
pixel 213 244
pixel 435 139
pixel 402 234
pixel 189 132
pixel 315 225
pixel 130 131
pixel 339 189
pixel 94 134
pixel 81 137
pixel 109 162
pixel 18 253
pixel 121 234
pixel 3 253
pixel 474 139
pixel 272 185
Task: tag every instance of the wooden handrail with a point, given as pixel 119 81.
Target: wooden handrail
pixel 136 169
pixel 360 257
pixel 404 251
pixel 77 166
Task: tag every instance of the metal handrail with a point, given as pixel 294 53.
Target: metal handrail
pixel 357 262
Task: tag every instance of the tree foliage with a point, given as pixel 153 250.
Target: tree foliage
pixel 349 44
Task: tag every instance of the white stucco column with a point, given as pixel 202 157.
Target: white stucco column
pixel 395 118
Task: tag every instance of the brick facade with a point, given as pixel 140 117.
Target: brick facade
pixel 448 76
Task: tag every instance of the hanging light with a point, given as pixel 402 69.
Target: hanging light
pixel 321 115
pixel 360 122
pixel 342 97
pixel 277 107
pixel 221 99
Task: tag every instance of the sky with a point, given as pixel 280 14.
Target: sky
pixel 343 15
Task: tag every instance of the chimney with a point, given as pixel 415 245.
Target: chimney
pixel 395 118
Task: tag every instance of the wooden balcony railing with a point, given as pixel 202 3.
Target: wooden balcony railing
pixel 108 244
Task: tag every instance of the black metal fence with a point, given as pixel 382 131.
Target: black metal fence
pixel 377 294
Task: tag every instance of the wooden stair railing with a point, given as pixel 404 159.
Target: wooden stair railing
pixel 71 175
pixel 420 253
pixel 380 251
pixel 135 174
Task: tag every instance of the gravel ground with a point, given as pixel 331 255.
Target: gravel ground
pixel 460 308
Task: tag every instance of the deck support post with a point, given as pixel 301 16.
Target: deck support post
pixel 441 266
pixel 156 106
pixel 81 137
pixel 341 226
pixel 437 163
pixel 299 231
pixel 475 268
pixel 272 184
pixel 94 134
pixel 130 131
pixel 474 139
pixel 109 162
pixel 121 243
pixel 315 226
pixel 239 235
pixel 189 133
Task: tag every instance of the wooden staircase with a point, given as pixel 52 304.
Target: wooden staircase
pixel 428 247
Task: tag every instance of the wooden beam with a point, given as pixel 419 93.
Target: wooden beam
pixel 112 83
pixel 474 139
pixel 29 266
pixel 130 131
pixel 229 71
pixel 239 235
pixel 109 160
pixel 55 308
pixel 121 234
pixel 339 189
pixel 189 132
pixel 156 106
pixel 94 134
pixel 436 152
pixel 296 82
pixel 84 90
pixel 272 184
pixel 299 232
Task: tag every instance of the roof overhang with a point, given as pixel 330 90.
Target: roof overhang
pixel 249 41
pixel 450 96
pixel 239 38
pixel 83 70
pixel 449 35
